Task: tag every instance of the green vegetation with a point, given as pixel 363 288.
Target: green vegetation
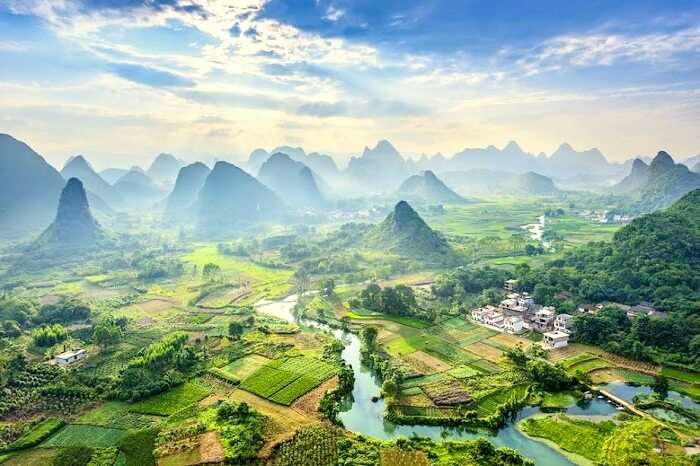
pixel 283 381
pixel 173 400
pixel 74 435
pixel 581 437
pixel 36 435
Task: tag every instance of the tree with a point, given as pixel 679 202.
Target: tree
pixel 328 287
pixel 660 386
pixel 369 336
pixel 390 389
pixel 106 333
pixel 211 271
pixel 235 330
pixel 301 282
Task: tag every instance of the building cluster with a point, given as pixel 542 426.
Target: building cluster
pixel 518 312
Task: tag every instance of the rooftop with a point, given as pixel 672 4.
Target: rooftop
pixel 556 335
pixel 70 354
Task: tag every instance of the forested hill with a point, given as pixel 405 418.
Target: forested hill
pixel 655 258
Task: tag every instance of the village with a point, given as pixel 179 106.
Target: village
pixel 518 313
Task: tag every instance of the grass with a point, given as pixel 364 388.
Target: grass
pixel 407 321
pixel 173 400
pixel 578 436
pixel 559 400
pixel 75 435
pixel 581 357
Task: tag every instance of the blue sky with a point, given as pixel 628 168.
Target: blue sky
pixel 121 80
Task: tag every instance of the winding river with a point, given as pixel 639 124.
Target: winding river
pixel 363 416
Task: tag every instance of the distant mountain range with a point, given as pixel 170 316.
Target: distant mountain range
pixel 405 233
pixel 231 198
pixel 292 181
pixel 428 188
pixel 164 169
pixel 78 167
pixel 476 182
pixel 190 180
pixel 322 165
pixel 657 185
pixel 29 189
pixel 138 190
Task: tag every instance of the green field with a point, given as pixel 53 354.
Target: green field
pixel 242 368
pixel 74 435
pixel 173 400
pixel 118 415
pixel 681 374
pixel 463 372
pixel 476 334
pixel 581 437
pixel 489 404
pixel 285 380
pixel 589 365
pixel 407 321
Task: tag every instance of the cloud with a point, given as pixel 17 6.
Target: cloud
pixel 322 109
pixel 600 49
pixel 149 76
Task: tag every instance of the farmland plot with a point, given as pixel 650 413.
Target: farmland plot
pixel 285 380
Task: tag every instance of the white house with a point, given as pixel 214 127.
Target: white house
pixel 70 357
pixel 554 340
pixel 563 323
pixel 513 324
pixel 510 285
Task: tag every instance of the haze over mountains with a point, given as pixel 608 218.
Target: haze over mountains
pixel 231 198
pixel 290 181
pixel 659 184
pixel 426 187
pixel 74 227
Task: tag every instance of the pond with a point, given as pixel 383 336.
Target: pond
pixel 628 392
pixel 363 416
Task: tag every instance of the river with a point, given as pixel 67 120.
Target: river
pixel 363 416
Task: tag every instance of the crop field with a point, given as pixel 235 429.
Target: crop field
pixel 476 334
pixel 116 414
pixel 173 400
pixel 265 281
pixel 507 340
pixel 242 368
pixel 588 365
pixel 418 381
pixel 485 351
pixel 407 321
pixel 74 435
pixel 579 358
pixel 425 363
pixel 315 446
pixel 488 405
pixel 394 456
pixel 285 380
pixel 681 374
pixel 485 366
pixel 463 372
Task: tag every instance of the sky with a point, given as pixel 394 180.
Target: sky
pixel 123 80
